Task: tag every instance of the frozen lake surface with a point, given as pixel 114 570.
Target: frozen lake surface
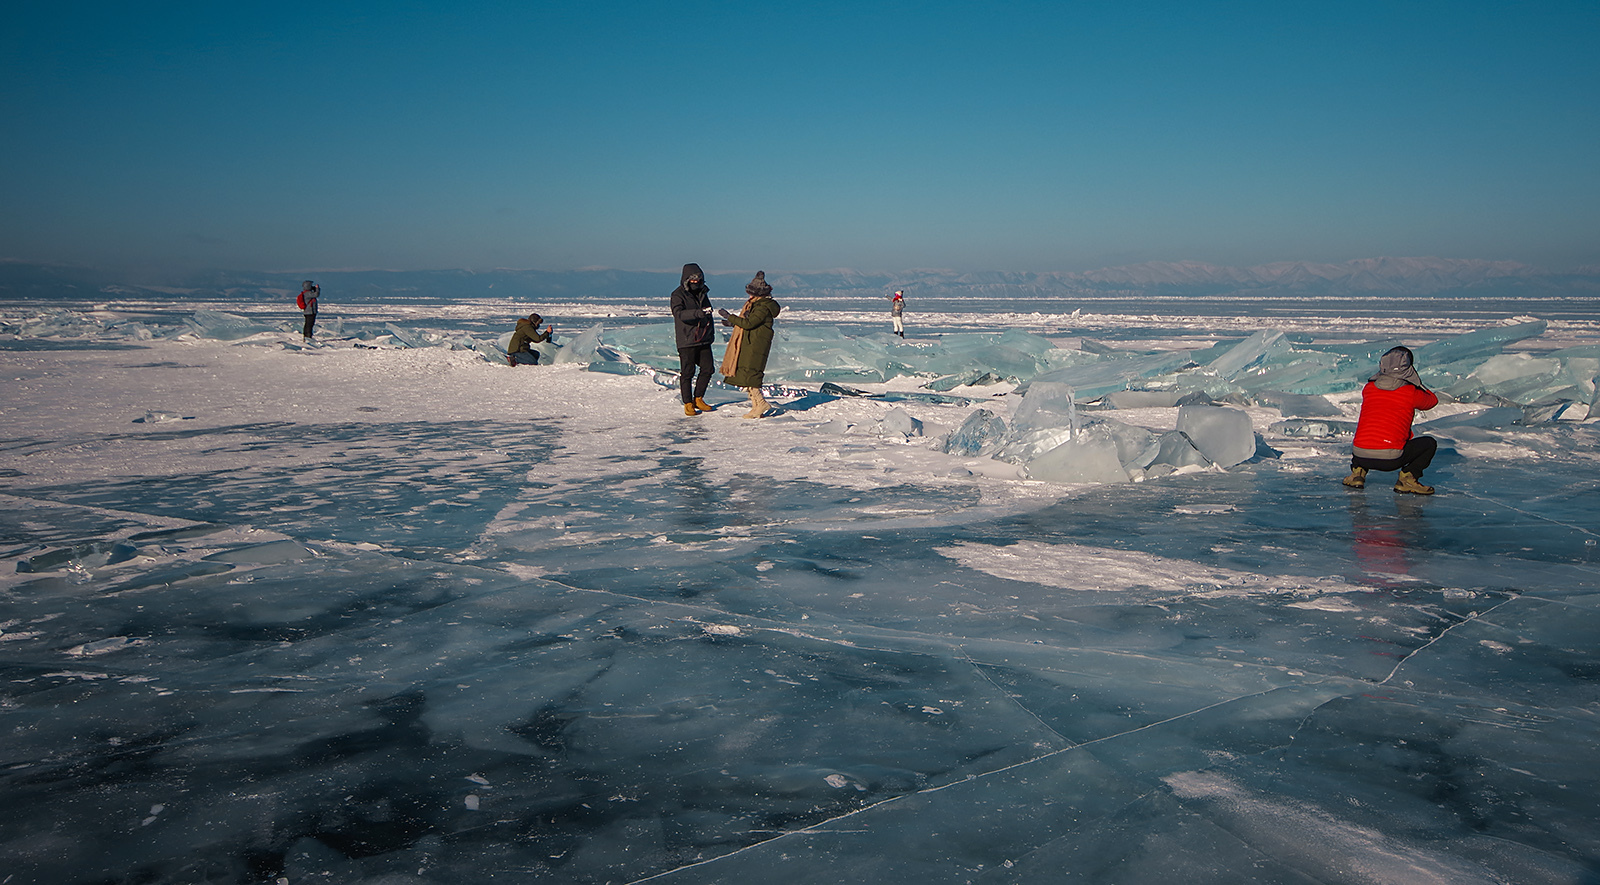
pixel 379 614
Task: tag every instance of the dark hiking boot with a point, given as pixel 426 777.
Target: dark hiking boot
pixel 1408 484
pixel 1357 478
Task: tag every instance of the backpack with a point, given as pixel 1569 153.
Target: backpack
pixel 300 300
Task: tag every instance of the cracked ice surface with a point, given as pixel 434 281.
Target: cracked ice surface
pixel 405 615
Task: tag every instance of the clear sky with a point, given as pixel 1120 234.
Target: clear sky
pixel 1033 136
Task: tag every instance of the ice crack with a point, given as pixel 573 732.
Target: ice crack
pixel 1442 634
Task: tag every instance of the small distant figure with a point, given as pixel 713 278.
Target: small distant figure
pixel 1383 440
pixel 520 351
pixel 897 309
pixel 307 302
pixel 745 362
pixel 695 333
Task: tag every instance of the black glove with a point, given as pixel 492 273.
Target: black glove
pixel 724 313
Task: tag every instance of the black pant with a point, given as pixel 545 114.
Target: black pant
pixel 526 357
pixel 1414 458
pixel 311 320
pixel 696 356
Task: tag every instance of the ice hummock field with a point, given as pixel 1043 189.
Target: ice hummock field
pixel 382 610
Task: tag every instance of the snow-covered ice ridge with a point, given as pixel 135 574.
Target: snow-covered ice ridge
pixel 1293 373
pixel 386 609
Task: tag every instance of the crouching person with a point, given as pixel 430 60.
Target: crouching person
pixel 1389 402
pixel 520 351
pixel 745 362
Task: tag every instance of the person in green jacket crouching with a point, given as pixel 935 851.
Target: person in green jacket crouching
pixel 745 362
pixel 520 351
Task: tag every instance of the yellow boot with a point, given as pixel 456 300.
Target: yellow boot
pixel 688 409
pixel 1357 478
pixel 1408 484
pixel 701 404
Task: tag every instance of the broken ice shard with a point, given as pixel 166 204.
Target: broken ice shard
pixel 582 348
pixel 1177 451
pixel 982 429
pixel 1295 405
pixel 1046 418
pixel 1249 352
pixel 406 339
pixel 898 423
pixel 1111 374
pixel 1136 447
pixel 223 326
pixel 1090 456
pixel 1499 416
pixel 1477 346
pixel 1224 435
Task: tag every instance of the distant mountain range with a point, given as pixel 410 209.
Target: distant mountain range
pixel 1367 277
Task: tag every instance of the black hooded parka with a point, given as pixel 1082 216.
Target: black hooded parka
pixel 691 310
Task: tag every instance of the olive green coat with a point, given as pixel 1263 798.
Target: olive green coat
pixel 755 343
pixel 526 334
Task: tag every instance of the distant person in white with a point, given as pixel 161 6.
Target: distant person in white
pixel 897 308
pixel 309 293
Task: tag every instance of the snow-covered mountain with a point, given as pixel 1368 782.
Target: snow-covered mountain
pixel 1407 276
pixel 1410 277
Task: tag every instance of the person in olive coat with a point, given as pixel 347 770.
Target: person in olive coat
pixel 745 363
pixel 695 333
pixel 520 351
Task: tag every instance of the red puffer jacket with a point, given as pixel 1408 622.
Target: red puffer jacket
pixel 1385 421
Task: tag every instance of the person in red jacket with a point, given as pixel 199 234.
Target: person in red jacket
pixel 1383 432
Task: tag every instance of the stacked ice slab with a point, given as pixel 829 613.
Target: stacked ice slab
pixel 813 354
pixel 1055 442
pixel 57 323
pixel 1268 368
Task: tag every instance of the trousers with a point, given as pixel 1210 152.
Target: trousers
pixel 1414 458
pixel 690 385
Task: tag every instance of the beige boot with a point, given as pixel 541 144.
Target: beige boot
pixel 758 404
pixel 688 409
pixel 701 404
pixel 1408 484
pixel 1357 478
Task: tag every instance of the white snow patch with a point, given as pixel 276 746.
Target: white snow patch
pixel 1084 568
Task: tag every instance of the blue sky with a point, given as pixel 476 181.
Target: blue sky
pixel 1048 136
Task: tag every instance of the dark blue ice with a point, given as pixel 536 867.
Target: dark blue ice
pixel 727 678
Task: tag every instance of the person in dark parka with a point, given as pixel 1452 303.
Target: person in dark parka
pixel 692 324
pixel 745 363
